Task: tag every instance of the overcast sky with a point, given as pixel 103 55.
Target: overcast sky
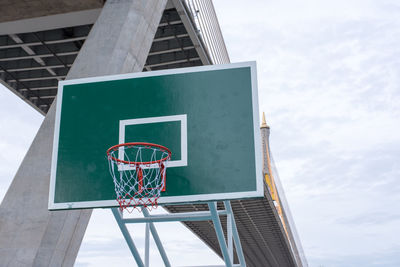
pixel 329 75
pixel 329 84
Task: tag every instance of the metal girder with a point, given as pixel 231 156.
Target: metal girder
pixel 14 58
pixel 58 77
pixel 167 59
pixel 160 39
pixel 170 23
pixel 36 68
pixel 41 88
pixel 57 34
pixel 172 50
pixel 67 40
pixel 171 43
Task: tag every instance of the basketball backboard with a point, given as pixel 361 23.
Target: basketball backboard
pixel 207 116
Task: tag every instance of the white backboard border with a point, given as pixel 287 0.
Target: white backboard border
pixel 259 192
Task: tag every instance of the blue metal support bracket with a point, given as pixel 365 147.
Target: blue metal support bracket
pixel 235 234
pixel 157 239
pixel 212 215
pixel 220 233
pixel 127 236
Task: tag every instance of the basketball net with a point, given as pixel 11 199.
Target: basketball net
pixel 138 171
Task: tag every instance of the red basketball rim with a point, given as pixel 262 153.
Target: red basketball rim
pixel 113 148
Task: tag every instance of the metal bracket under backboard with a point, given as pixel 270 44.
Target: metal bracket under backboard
pixel 213 214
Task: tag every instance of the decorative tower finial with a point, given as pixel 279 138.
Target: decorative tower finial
pixel 263 123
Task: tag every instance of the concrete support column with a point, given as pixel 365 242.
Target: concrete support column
pixel 30 235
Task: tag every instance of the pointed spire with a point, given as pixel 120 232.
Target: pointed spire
pixel 264 123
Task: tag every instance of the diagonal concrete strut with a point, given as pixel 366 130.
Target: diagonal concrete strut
pixel 30 235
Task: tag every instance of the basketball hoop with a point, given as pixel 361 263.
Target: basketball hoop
pixel 138 170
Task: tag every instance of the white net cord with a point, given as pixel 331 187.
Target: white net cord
pixel 139 173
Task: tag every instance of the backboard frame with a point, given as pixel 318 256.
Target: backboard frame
pixel 259 192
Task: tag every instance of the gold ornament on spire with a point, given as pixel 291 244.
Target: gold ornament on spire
pixel 264 123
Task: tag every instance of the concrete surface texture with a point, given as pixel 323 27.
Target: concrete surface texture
pixel 24 9
pixel 30 235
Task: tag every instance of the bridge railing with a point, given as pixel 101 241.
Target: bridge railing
pixel 286 216
pixel 208 29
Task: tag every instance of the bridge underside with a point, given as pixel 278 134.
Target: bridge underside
pixel 32 63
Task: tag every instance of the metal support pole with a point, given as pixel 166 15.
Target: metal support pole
pixel 175 217
pixel 157 240
pixel 220 233
pixel 229 235
pixel 147 246
pixel 127 237
pixel 213 214
pixel 235 234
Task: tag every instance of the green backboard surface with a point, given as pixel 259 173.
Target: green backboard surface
pixel 207 116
